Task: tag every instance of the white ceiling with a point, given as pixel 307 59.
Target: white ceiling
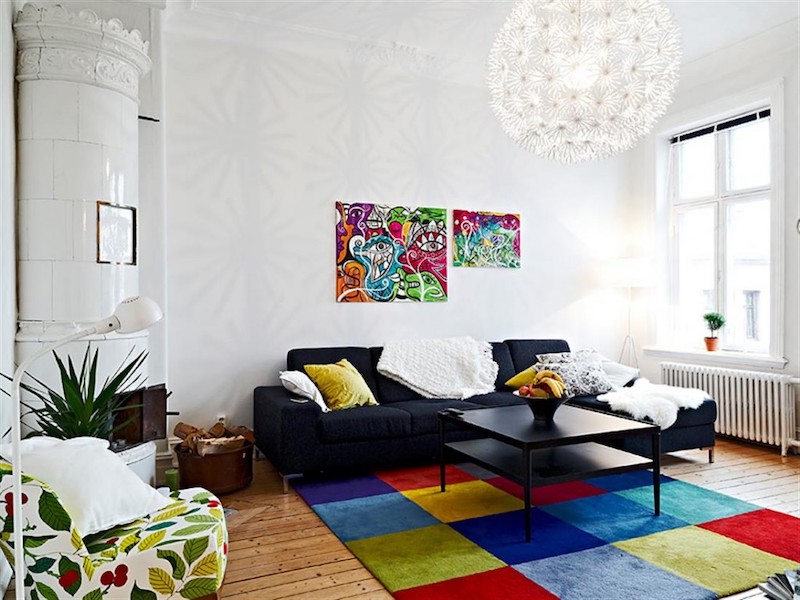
pixel 461 29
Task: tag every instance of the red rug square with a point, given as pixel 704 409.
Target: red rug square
pixel 764 529
pixel 489 585
pixel 549 494
pixel 422 477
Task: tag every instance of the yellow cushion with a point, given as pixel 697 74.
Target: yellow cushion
pixel 522 378
pixel 341 385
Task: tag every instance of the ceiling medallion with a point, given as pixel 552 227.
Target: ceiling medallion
pixel 577 80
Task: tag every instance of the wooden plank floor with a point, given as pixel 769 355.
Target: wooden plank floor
pixel 279 548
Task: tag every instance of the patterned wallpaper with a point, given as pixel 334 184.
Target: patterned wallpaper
pixel 260 145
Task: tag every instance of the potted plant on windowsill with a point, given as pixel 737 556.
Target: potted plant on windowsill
pixel 715 321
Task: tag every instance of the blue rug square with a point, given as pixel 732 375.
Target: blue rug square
pixel 320 491
pixel 690 503
pixel 624 481
pixel 608 573
pixel 504 536
pixel 612 518
pixel 367 517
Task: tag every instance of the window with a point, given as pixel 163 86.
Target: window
pixel 751 313
pixel 720 194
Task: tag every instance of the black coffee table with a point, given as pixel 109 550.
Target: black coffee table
pixel 533 454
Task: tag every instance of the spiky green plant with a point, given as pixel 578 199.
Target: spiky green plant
pixel 79 408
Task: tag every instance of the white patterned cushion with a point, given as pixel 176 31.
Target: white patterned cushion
pixel 580 378
pixel 617 374
pixel 589 355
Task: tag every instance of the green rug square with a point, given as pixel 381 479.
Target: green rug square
pixel 422 556
pixel 706 558
pixel 690 503
pixel 464 501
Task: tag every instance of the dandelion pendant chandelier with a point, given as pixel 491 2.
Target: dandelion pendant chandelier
pixel 576 80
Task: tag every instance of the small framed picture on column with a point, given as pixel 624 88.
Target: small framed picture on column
pixel 116 233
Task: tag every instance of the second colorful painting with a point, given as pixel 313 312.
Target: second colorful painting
pixel 486 239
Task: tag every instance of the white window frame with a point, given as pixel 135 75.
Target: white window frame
pixel 769 95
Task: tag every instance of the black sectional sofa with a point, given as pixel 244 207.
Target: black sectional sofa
pixel 300 438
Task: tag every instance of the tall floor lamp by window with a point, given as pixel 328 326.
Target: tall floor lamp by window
pixel 631 273
pixel 132 314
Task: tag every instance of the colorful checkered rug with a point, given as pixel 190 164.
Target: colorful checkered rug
pixel 592 540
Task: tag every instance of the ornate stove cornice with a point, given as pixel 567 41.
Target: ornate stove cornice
pixel 54 43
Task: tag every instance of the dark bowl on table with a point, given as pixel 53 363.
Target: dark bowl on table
pixel 543 409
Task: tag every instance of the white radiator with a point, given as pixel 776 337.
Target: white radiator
pixel 751 405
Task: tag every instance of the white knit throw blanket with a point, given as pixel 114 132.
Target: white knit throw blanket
pixel 659 403
pixel 458 367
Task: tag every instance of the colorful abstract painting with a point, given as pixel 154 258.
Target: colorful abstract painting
pixel 485 239
pixel 390 253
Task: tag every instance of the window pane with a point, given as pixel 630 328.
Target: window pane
pixel 747 264
pixel 697 167
pixel 696 272
pixel 748 155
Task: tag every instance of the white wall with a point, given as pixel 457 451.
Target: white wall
pixel 261 143
pixel 756 62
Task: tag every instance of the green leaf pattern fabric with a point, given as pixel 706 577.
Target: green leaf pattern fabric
pixel 177 552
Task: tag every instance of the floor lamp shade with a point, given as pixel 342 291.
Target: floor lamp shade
pixel 131 315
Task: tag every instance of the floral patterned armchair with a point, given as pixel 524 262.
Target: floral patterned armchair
pixel 177 552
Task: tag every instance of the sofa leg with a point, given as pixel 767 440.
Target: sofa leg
pixel 286 479
pixel 711 455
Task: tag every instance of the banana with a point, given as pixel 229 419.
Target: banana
pixel 547 373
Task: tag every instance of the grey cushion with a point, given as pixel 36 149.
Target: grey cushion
pixel 389 391
pixel 497 399
pixel 523 352
pixel 502 356
pixel 424 413
pixel 358 357
pixel 364 423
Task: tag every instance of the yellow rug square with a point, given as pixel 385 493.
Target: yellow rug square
pixel 706 558
pixel 422 556
pixel 464 501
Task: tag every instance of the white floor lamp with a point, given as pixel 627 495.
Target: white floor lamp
pixel 132 314
pixel 630 273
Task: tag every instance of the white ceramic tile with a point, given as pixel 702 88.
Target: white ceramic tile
pixel 24 112
pixel 35 170
pixel 76 171
pixel 130 189
pixel 84 231
pixel 76 291
pixel 54 109
pixel 35 290
pixel 114 174
pixel 99 116
pixel 120 176
pixel 118 282
pixel 129 123
pixel 47 227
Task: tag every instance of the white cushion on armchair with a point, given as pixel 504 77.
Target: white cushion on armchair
pixel 95 486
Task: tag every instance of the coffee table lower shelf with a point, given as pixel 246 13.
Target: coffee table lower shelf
pixel 557 464
pixel 550 465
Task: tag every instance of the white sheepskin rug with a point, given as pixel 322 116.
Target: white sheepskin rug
pixel 659 403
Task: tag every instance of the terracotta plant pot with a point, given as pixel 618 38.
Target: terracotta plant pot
pixel 712 344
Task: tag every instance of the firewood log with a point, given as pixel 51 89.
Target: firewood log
pixel 182 430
